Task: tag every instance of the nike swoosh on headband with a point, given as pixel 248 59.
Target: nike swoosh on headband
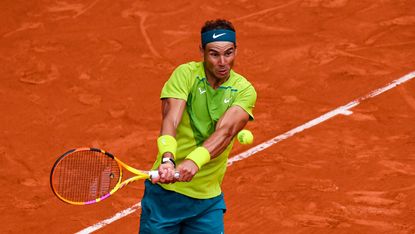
pixel 214 36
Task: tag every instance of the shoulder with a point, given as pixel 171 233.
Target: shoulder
pixel 240 83
pixel 190 67
pixel 245 94
pixel 181 81
pixel 187 73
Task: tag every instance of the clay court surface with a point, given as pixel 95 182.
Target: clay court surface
pixel 89 73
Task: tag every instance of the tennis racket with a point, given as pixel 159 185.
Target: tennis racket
pixel 89 175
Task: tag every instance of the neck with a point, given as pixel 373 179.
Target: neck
pixel 214 81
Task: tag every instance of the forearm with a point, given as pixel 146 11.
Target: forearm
pixel 219 141
pixel 234 120
pixel 172 111
pixel 168 127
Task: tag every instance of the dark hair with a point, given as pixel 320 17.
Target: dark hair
pixel 217 24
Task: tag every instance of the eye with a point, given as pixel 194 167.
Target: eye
pixel 229 53
pixel 214 54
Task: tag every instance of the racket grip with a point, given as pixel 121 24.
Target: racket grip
pixel 155 174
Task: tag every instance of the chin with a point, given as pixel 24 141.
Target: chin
pixel 220 77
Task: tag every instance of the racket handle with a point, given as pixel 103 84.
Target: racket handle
pixel 155 174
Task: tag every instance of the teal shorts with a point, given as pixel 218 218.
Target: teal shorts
pixel 164 211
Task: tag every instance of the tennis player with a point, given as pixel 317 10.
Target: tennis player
pixel 204 105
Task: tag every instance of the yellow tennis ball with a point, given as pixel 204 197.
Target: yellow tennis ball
pixel 245 137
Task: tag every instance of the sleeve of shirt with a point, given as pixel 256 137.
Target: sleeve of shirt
pixel 246 99
pixel 179 84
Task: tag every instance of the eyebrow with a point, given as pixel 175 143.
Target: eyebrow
pixel 213 50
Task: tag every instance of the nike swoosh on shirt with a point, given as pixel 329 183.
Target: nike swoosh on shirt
pixel 214 36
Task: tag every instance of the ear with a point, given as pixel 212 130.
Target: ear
pixel 202 51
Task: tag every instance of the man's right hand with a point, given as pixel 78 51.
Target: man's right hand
pixel 166 174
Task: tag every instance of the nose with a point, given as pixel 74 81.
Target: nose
pixel 221 60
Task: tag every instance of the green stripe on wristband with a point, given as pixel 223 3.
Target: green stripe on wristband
pixel 200 156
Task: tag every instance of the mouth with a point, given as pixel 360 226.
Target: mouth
pixel 223 72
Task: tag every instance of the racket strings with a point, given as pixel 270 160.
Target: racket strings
pixel 86 175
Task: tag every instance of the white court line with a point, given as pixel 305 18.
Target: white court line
pixel 340 110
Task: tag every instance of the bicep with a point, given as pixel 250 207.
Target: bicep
pixel 172 107
pixel 234 120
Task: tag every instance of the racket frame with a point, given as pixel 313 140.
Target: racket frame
pixel 138 175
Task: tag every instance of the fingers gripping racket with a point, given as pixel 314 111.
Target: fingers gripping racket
pixel 88 175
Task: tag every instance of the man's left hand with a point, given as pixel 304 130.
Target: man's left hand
pixel 187 169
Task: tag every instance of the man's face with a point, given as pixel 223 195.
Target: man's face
pixel 219 57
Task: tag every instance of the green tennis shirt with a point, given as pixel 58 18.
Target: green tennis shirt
pixel 204 107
